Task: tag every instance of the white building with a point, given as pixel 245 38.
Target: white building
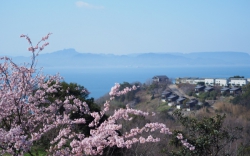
pixel 238 81
pixel 248 80
pixel 221 82
pixel 209 81
pixel 190 80
pixel 160 78
pixel 196 81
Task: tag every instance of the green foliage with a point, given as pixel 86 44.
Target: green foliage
pixel 244 98
pixel 68 89
pixel 225 94
pixel 153 86
pixel 201 83
pixel 190 93
pixel 194 95
pixel 37 151
pixel 197 107
pixel 213 95
pixel 203 95
pixel 237 76
pixel 153 96
pixel 163 107
pixel 208 95
pixel 185 101
pixel 244 150
pixel 208 135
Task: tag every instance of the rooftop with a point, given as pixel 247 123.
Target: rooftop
pixel 224 89
pixel 238 79
pixel 172 96
pixel 199 87
pixel 234 89
pixel 160 76
pixel 181 99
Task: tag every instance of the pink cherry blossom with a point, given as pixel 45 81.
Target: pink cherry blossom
pixel 179 136
pixel 26 114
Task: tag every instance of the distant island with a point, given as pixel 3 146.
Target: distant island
pixel 72 58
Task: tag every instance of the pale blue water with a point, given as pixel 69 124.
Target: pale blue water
pixel 99 81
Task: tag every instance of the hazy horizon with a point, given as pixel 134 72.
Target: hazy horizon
pixel 131 54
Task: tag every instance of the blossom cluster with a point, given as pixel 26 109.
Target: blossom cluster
pixel 184 142
pixel 27 113
pixel 106 135
pixel 33 49
pixel 116 92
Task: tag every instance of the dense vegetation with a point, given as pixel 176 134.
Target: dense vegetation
pixel 244 98
pixel 218 129
pixel 42 115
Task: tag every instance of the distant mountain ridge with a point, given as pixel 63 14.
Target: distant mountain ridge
pixel 72 58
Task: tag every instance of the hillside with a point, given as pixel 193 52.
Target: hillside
pixel 148 98
pixel 234 116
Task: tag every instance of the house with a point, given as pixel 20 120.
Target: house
pixel 225 90
pixel 194 80
pixel 190 80
pixel 191 104
pixel 179 102
pixel 199 88
pixel 209 81
pixel 235 91
pixel 160 78
pixel 199 80
pixel 221 82
pixel 165 95
pixel 208 89
pixel 238 81
pixel 178 80
pixel 172 99
pixel 248 80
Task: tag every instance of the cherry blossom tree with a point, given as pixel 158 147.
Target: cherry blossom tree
pixel 27 113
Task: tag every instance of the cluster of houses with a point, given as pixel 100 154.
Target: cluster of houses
pixel 234 90
pixel 178 101
pixel 231 86
pixel 214 81
pixel 207 81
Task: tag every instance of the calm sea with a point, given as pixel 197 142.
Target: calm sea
pixel 99 80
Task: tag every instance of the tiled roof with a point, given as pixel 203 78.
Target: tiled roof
pixel 225 89
pixel 234 89
pixel 199 87
pixel 161 76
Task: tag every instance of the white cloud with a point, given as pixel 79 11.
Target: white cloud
pixel 81 4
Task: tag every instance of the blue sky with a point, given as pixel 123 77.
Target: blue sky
pixel 124 27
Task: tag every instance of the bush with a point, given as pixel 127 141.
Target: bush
pixel 208 135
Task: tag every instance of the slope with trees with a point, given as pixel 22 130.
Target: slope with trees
pixel 34 106
pixel 44 113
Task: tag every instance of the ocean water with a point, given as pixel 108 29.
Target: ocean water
pixel 99 80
